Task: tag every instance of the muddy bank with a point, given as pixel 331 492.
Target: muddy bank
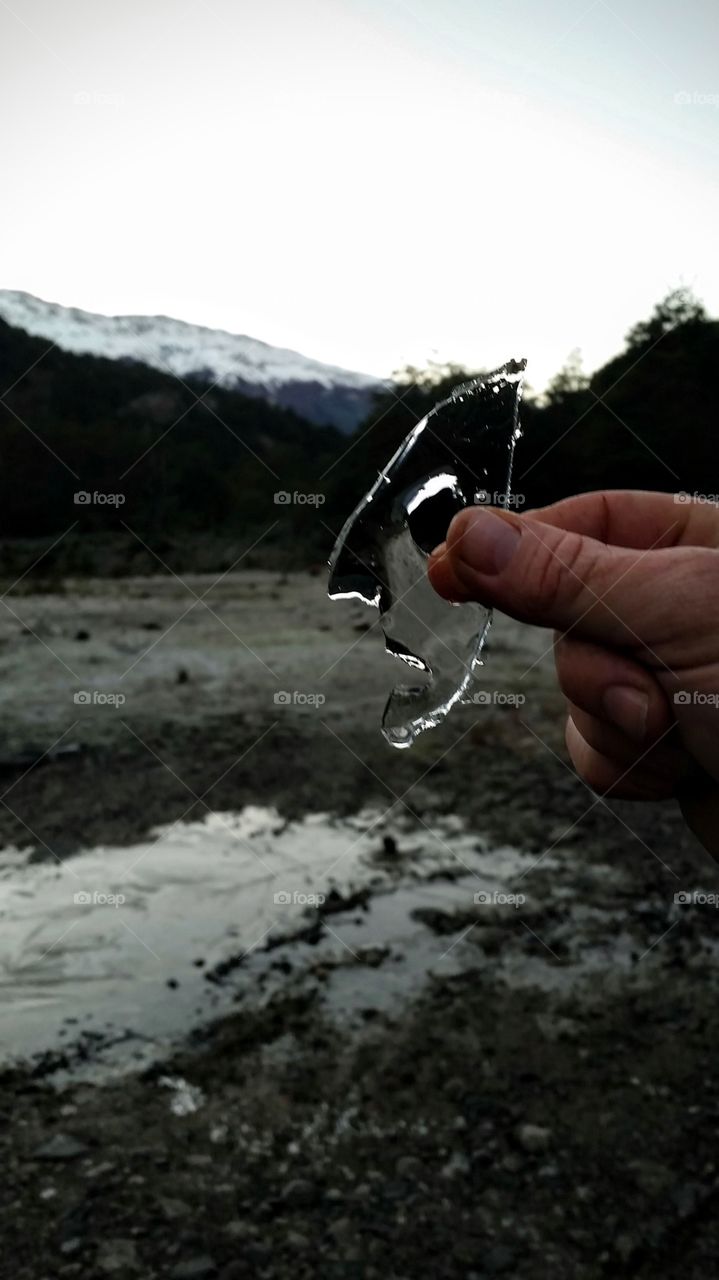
pixel 404 1079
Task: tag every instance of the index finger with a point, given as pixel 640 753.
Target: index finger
pixel 635 518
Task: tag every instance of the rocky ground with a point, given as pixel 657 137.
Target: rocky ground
pixel 539 1100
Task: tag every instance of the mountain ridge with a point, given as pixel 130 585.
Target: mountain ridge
pixel 322 393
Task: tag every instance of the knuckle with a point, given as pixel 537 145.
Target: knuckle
pixel 556 576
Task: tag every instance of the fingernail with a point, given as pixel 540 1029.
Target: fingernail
pixel 627 708
pixel 488 543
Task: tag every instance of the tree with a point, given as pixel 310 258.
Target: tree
pixel 679 307
pixel 570 379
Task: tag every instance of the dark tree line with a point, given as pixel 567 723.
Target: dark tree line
pixel 193 465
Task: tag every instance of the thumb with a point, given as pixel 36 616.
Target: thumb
pixel 554 577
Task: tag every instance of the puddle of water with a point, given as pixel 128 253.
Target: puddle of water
pixel 117 940
pixel 111 949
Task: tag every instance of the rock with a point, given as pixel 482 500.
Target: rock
pixel 239 1229
pixel 409 1167
pixel 299 1192
pixel 100 1170
pixel 296 1240
pixel 457 1164
pixel 117 1255
pixel 559 834
pixel 554 1027
pixel 626 1246
pixel 533 1138
pixel 342 1230
pixel 194 1269
pixel 61 1146
pixel 174 1210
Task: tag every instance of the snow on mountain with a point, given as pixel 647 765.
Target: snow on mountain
pixel 321 392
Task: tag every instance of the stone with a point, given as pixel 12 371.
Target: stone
pixel 299 1192
pixel 533 1138
pixel 409 1167
pixel 117 1255
pixel 61 1146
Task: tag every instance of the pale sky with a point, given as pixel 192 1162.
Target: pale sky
pixel 370 182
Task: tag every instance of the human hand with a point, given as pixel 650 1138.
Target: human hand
pixel 630 583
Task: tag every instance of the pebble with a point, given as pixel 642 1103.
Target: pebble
pixel 61 1146
pixel 299 1191
pixel 117 1255
pixel 342 1230
pixel 174 1209
pixel 240 1229
pixel 409 1167
pixel 296 1240
pixel 533 1138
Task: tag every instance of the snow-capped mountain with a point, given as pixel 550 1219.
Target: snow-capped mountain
pixel 320 392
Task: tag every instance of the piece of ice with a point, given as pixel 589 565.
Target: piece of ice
pixel 459 455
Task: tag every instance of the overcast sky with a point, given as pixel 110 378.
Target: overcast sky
pixel 370 182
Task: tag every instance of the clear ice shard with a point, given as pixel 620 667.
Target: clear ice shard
pixel 458 456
